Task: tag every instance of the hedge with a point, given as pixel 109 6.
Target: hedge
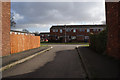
pixel 98 41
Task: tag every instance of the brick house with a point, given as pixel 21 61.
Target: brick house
pixel 73 33
pixel 44 36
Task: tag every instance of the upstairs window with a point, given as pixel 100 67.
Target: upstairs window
pixel 60 30
pixel 88 30
pixel 80 30
pixel 101 29
pixel 56 30
pixel 53 30
pixel 94 30
pixel 68 30
pixel 83 30
pixel 74 30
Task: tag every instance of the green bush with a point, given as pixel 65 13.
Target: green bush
pixel 98 41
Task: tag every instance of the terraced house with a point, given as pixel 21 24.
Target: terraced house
pixel 73 33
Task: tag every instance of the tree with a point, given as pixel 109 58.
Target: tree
pixel 12 21
pixel 103 22
pixel 37 33
pixel 25 30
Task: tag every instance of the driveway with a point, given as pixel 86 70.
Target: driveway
pixel 62 61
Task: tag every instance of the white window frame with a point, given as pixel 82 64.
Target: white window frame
pixel 74 30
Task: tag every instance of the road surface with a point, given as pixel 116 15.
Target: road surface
pixel 62 61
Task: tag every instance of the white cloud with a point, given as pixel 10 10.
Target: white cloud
pixel 17 16
pixel 57 0
pixel 41 16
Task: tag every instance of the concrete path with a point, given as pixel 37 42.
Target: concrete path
pixel 59 62
pixel 98 65
pixel 17 56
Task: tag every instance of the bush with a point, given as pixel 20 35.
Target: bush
pixel 98 42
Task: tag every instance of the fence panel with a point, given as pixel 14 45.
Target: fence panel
pixel 21 42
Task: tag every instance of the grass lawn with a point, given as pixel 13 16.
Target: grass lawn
pixel 42 45
pixel 66 43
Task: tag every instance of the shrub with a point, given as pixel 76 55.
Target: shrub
pixel 98 41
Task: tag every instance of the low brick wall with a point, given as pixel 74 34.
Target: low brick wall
pixel 22 42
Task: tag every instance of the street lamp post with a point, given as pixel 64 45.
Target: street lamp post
pixel 65 33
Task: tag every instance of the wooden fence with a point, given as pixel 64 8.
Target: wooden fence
pixel 21 42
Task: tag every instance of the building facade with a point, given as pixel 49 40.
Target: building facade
pixel 73 33
pixel 44 37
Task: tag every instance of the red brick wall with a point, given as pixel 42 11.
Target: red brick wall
pixel 71 33
pixel 113 16
pixel 5 28
pixel 22 42
pixel 0 29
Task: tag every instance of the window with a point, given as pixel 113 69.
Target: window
pixel 56 30
pixel 94 30
pixel 97 29
pixel 80 35
pixel 88 30
pixel 83 30
pixel 73 37
pixel 53 30
pixel 80 30
pixel 86 37
pixel 101 29
pixel 74 30
pixel 68 30
pixel 60 30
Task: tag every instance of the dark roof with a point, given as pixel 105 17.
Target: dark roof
pixel 20 31
pixel 45 33
pixel 76 26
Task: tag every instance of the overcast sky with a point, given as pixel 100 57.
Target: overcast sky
pixel 40 16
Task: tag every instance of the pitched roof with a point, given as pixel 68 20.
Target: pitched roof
pixel 45 33
pixel 77 26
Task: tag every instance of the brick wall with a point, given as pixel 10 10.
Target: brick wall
pixel 0 29
pixel 5 28
pixel 77 34
pixel 113 17
pixel 22 42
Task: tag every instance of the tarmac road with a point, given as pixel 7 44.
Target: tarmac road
pixel 62 61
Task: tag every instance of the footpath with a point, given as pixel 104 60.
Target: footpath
pixel 6 60
pixel 98 65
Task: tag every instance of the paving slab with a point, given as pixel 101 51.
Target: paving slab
pixel 98 65
pixel 17 56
